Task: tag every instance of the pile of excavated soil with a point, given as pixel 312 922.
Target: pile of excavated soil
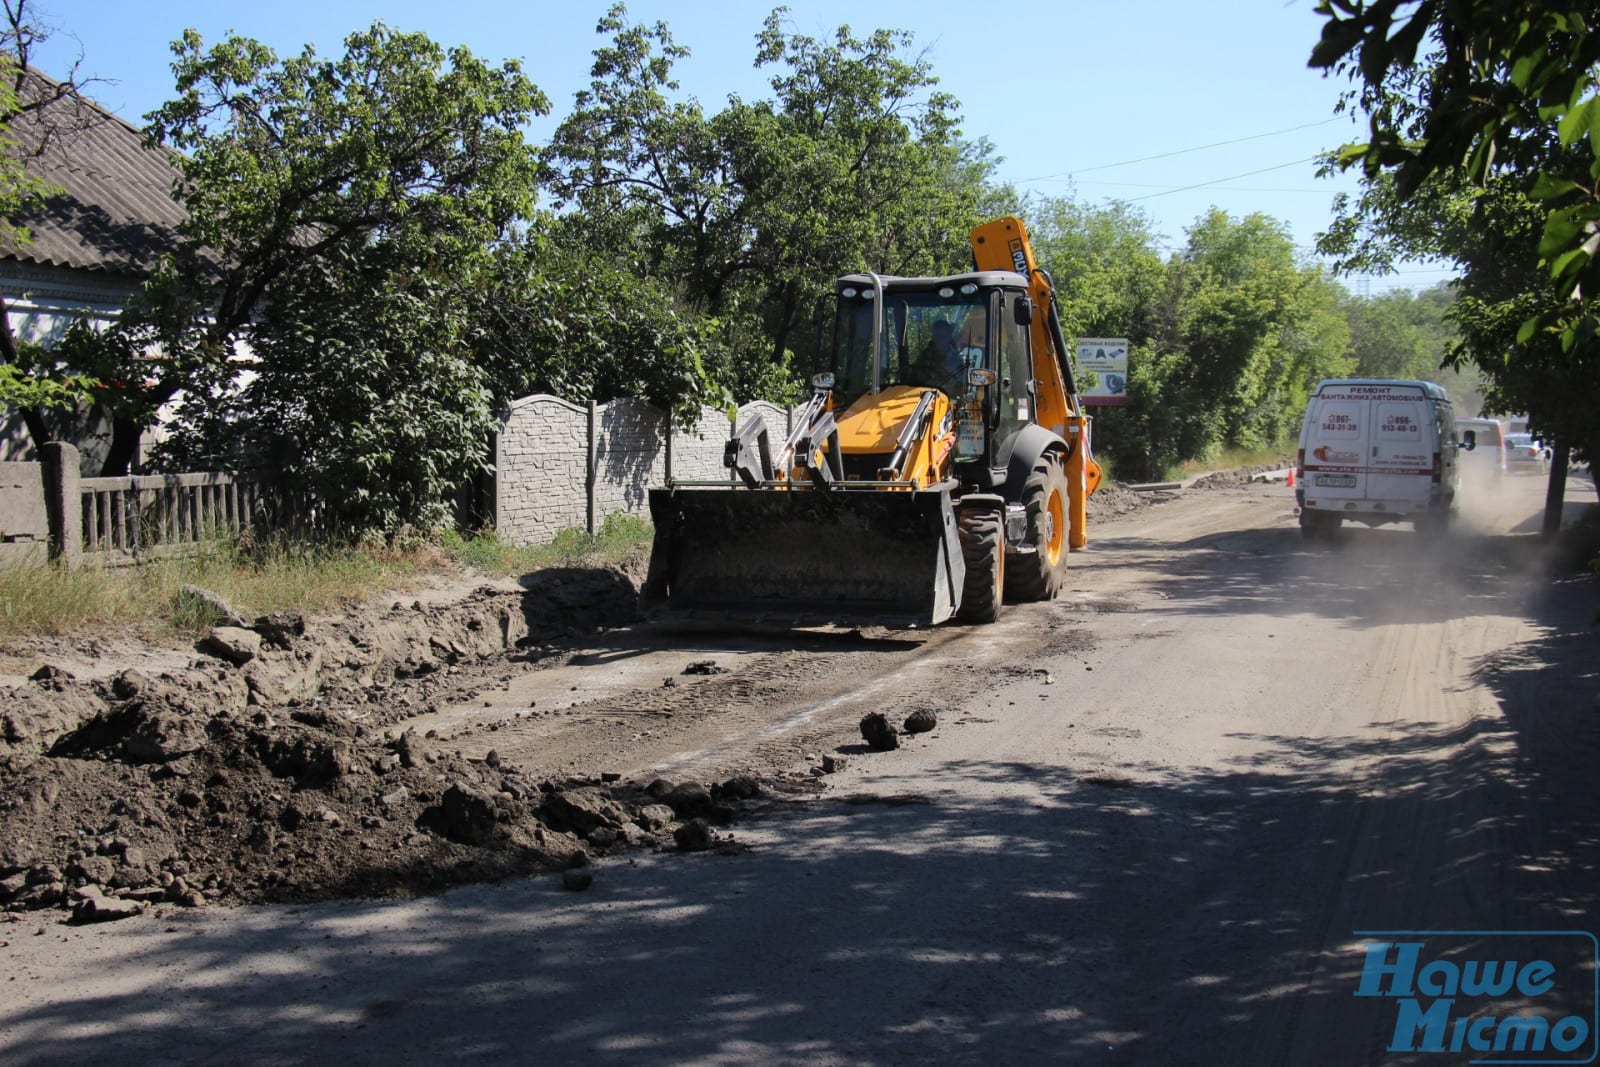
pixel 1114 498
pixel 273 761
pixel 268 767
pixel 1233 478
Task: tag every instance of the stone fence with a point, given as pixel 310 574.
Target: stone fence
pixel 560 465
pixel 557 466
pixel 48 511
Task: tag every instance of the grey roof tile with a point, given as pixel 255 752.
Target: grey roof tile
pixel 114 211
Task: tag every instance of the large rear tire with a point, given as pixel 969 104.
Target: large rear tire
pixel 1433 523
pixel 1040 574
pixel 1319 525
pixel 983 549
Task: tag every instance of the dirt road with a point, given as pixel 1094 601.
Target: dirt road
pixel 1153 824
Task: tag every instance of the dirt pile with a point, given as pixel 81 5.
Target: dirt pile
pixel 1233 478
pixel 268 768
pixel 1113 499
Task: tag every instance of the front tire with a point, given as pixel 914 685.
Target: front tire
pixel 1039 575
pixel 983 549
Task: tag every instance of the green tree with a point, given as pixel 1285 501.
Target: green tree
pixel 1479 87
pixel 1105 263
pixel 567 319
pixel 1109 279
pixel 1493 233
pixel 749 213
pixel 1483 145
pixel 31 379
pixel 372 399
pixel 324 194
pixel 851 166
pixel 1388 339
pixel 1257 330
pixel 649 174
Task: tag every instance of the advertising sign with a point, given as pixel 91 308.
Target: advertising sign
pixel 1107 357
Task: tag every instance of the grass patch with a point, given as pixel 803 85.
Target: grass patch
pixel 1233 459
pixel 256 579
pixel 36 598
pixel 619 537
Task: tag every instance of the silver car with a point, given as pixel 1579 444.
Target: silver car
pixel 1525 454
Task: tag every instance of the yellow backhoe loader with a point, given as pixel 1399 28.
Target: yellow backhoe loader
pixel 940 466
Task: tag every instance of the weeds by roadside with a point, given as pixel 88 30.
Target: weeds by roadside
pixel 619 536
pixel 1233 459
pixel 257 578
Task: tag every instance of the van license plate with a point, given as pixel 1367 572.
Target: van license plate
pixel 1337 481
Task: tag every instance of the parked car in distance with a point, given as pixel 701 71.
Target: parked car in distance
pixel 1525 454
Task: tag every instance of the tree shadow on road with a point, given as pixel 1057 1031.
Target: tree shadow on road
pixel 1145 916
pixel 1136 914
pixel 1370 578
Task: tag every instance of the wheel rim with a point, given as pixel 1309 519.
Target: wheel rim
pixel 1058 529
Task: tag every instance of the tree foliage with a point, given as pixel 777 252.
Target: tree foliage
pixel 1399 334
pixel 31 380
pixel 563 318
pixel 1485 147
pixel 854 163
pixel 1227 338
pixel 340 213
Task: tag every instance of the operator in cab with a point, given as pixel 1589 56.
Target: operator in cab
pixel 940 364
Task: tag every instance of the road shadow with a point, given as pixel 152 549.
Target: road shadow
pixel 1137 914
pixel 1369 577
pixel 1141 916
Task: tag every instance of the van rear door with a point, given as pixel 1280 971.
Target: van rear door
pixel 1336 442
pixel 1402 449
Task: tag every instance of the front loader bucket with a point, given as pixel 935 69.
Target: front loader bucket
pixel 806 557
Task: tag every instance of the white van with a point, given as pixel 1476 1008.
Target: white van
pixel 1375 451
pixel 1488 458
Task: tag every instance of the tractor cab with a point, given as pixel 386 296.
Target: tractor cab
pixel 966 336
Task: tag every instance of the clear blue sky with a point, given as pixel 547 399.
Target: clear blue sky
pixel 1070 93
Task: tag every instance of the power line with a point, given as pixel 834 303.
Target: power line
pixel 1219 181
pixel 1324 191
pixel 1179 152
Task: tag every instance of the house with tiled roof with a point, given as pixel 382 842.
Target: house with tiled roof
pixel 108 221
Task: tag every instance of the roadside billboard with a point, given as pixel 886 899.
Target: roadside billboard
pixel 1107 357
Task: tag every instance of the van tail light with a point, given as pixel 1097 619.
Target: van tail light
pixel 1300 464
pixel 1438 468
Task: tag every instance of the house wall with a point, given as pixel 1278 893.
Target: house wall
pixel 41 303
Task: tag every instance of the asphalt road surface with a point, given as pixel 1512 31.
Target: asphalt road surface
pixel 1158 823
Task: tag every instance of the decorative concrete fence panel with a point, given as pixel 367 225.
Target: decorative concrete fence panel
pixel 630 449
pixel 697 452
pixel 22 514
pixel 560 465
pixel 541 460
pixel 24 524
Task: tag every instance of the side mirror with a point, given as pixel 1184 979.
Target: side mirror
pixel 1024 312
pixel 1469 439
